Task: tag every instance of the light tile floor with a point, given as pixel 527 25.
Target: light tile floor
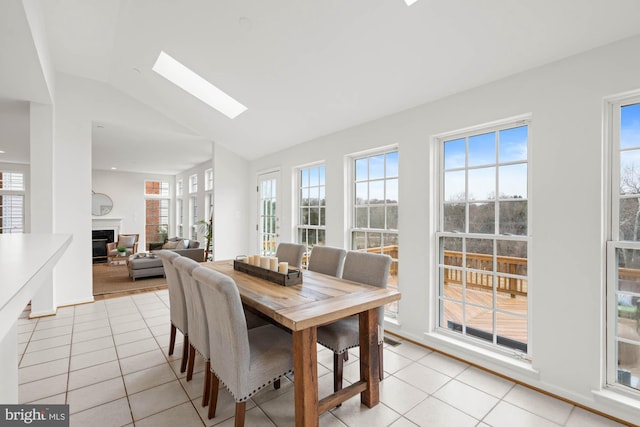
pixel 108 360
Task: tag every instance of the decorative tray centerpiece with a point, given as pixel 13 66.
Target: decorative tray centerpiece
pixel 290 278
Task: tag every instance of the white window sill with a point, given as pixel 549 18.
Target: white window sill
pixel 492 360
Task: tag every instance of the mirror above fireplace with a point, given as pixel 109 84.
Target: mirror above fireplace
pixel 101 204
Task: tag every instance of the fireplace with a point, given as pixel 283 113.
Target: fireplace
pixel 99 239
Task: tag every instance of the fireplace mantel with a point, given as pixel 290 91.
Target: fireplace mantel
pixel 107 224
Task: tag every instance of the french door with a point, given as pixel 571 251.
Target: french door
pixel 268 217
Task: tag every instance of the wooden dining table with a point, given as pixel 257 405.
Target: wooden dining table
pixel 319 300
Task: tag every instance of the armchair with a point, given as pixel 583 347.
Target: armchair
pixel 129 241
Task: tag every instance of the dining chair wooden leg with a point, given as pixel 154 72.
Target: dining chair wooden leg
pixel 380 364
pixel 338 364
pixel 185 354
pixel 190 363
pixel 172 339
pixel 213 397
pixel 241 408
pixel 276 384
pixel 207 384
pixel 345 355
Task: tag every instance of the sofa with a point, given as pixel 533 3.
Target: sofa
pixel 181 246
pixel 149 265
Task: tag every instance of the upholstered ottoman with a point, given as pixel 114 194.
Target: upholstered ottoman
pixel 145 267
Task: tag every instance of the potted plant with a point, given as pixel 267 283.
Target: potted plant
pixel 122 250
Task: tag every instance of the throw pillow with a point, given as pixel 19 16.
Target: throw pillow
pixel 173 245
pixel 126 241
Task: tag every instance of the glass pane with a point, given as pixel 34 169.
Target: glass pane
pixel 392 164
pixel 321 237
pixel 314 196
pixel 391 243
pixel 482 218
pixel 304 197
pixel 630 172
pixel 454 217
pixel 512 331
pixel 479 289
pixel 482 184
pixel 629 364
pixel 392 217
pixel 322 217
pixel 513 144
pixel 480 255
pixel 376 167
pixel 628 270
pixel 454 153
pixel 304 177
pixel 450 282
pixel 513 181
pixel 358 240
pixel 314 216
pixel 454 188
pixel 512 257
pixel 377 217
pixel 376 192
pixel 361 169
pixel 362 217
pixel 322 197
pixel 304 216
pixel 392 191
pixel 482 149
pixel 452 250
pixel 451 315
pixel 322 173
pixel 630 126
pixel 302 236
pixel 374 240
pixel 629 219
pixel 312 236
pixel 314 177
pixel 480 323
pixel 513 218
pixel 362 193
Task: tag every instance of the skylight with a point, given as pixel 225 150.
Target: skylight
pixel 410 2
pixel 189 81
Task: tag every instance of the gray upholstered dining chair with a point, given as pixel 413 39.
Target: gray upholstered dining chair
pixel 291 253
pixel 327 260
pixel 340 336
pixel 244 360
pixel 177 305
pixel 198 330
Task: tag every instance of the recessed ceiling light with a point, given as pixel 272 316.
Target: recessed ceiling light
pixel 191 82
pixel 2 151
pixel 113 168
pixel 410 2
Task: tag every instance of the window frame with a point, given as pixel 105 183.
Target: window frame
pixel 193 183
pixel 392 310
pixel 18 193
pixel 612 138
pixel 299 187
pixel 439 263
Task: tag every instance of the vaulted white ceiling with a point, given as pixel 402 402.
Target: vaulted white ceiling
pixel 307 68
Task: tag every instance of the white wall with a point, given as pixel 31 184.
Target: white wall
pixel 126 189
pixel 231 210
pixel 566 192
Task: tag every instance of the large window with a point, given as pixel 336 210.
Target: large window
pixel 12 193
pixel 311 206
pixel 375 210
pixel 193 217
pixel 179 218
pixel 623 295
pixel 193 184
pixel 208 180
pixel 157 210
pixel 483 235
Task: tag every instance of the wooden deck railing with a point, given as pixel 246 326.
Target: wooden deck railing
pixel 480 280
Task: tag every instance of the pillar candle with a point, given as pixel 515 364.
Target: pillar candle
pixel 264 262
pixel 273 263
pixel 283 267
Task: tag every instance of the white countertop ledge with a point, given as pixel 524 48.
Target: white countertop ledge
pixel 24 260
